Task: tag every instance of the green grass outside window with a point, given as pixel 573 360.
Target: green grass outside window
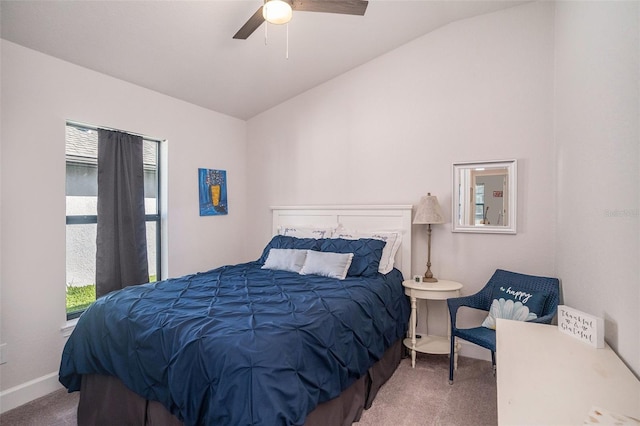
pixel 80 298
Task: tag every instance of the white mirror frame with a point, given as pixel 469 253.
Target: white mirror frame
pixel 510 211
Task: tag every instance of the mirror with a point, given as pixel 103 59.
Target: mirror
pixel 485 197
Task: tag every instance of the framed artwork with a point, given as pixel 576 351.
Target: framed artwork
pixel 497 194
pixel 213 192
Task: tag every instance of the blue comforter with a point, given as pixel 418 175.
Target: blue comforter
pixel 239 345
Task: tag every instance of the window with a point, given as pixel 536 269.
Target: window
pixel 82 203
pixel 480 212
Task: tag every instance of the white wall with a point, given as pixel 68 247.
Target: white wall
pixel 597 131
pixel 38 94
pixel 389 131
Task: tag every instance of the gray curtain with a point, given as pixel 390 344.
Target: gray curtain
pixel 121 257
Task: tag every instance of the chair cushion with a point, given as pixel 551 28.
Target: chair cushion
pixel 514 303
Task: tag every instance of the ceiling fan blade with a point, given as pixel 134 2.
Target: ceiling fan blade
pixel 250 26
pixel 347 7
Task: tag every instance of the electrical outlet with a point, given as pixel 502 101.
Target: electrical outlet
pixel 3 353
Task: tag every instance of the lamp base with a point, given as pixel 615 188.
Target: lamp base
pixel 429 280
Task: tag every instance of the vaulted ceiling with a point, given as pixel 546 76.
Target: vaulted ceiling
pixel 185 49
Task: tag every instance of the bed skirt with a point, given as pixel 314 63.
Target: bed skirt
pixel 104 400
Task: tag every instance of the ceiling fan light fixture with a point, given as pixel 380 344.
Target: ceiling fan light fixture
pixel 277 11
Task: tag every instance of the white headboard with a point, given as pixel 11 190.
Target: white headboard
pixel 359 218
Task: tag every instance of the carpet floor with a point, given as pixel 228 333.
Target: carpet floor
pixel 412 396
pixel 422 395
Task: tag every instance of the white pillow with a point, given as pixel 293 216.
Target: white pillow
pixel 305 232
pixel 327 264
pixel 393 240
pixel 285 259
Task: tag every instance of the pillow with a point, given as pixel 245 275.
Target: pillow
pixel 283 242
pixel 391 238
pixel 305 232
pixel 511 302
pixel 285 259
pixel 327 264
pixel 366 254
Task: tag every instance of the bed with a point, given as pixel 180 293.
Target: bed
pixel 253 343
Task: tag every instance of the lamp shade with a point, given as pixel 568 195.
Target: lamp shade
pixel 277 12
pixel 429 211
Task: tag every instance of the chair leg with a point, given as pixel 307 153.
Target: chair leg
pixel 451 359
pixel 493 362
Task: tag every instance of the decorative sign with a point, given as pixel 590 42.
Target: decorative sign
pixel 581 326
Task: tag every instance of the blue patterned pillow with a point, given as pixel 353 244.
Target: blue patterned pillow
pixel 367 253
pixel 284 242
pixel 511 302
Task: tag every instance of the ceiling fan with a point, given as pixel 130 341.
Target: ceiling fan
pixel 280 11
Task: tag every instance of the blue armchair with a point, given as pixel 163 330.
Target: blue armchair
pixel 486 337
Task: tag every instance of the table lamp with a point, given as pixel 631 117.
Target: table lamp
pixel 428 213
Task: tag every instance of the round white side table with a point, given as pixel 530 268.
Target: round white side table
pixel 440 290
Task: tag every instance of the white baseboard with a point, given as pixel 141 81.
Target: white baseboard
pixel 27 392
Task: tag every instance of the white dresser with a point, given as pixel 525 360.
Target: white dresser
pixel 546 377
